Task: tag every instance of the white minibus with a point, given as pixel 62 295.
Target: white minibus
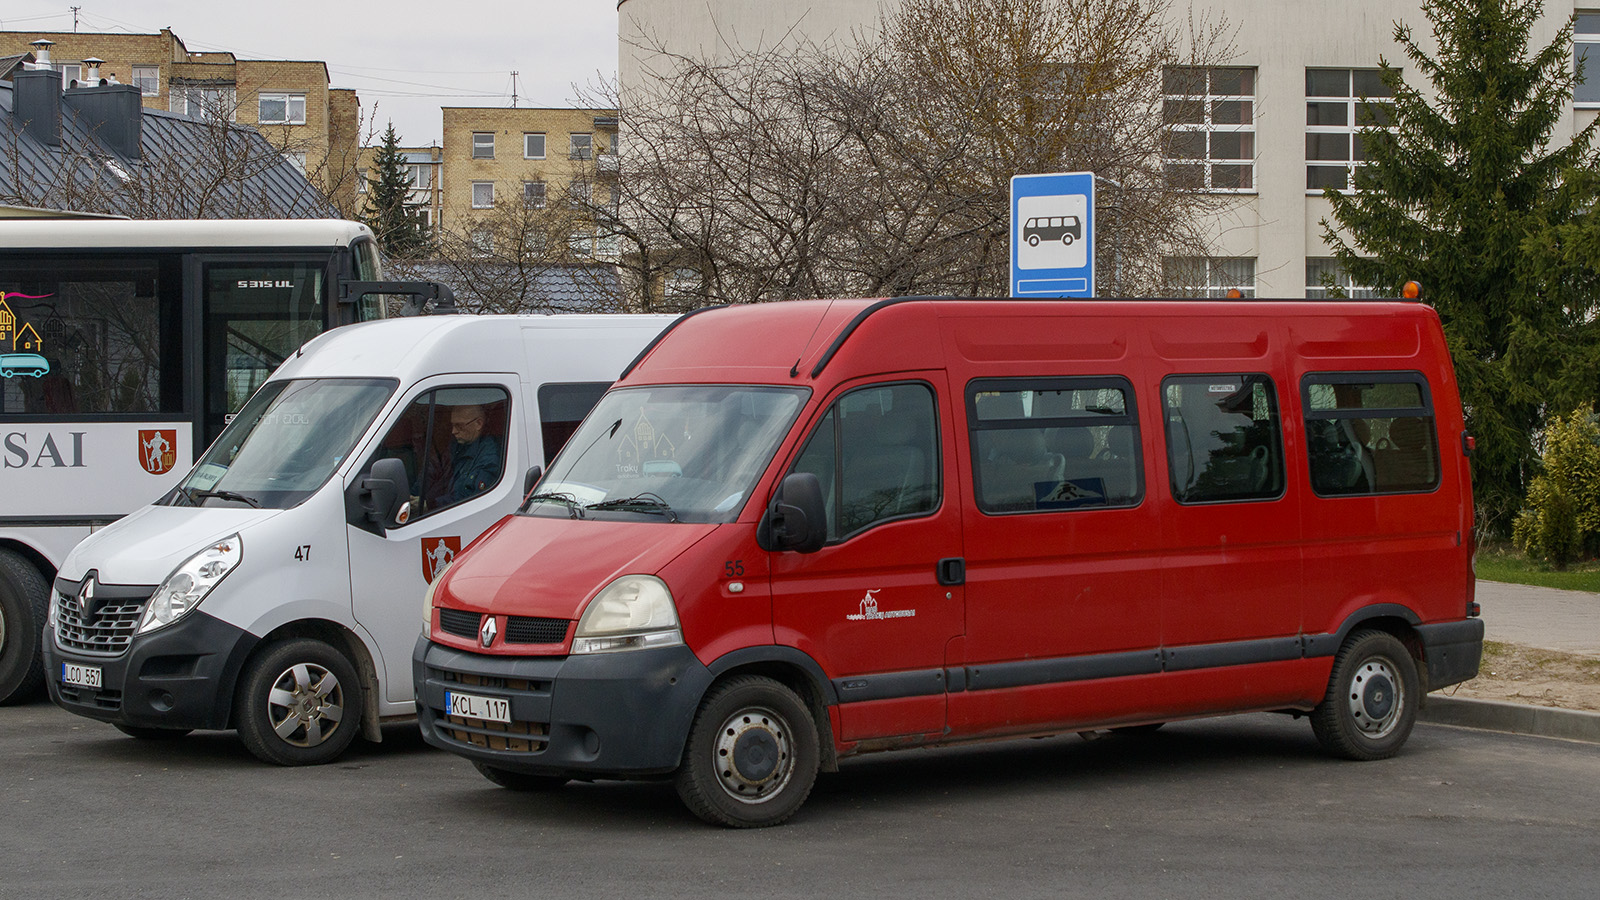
pixel 276 587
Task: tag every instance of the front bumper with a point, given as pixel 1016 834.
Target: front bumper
pixel 181 676
pixel 607 715
pixel 1452 650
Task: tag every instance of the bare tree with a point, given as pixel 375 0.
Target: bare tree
pixel 884 167
pixel 523 257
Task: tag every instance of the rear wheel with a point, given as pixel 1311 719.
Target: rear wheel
pixel 151 734
pixel 1372 698
pixel 24 607
pixel 299 704
pixel 519 781
pixel 752 754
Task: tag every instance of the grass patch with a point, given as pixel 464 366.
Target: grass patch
pixel 1502 562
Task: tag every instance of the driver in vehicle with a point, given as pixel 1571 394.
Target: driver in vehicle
pixel 475 457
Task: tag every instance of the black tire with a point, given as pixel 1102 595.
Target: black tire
pixel 752 754
pixel 289 712
pixel 1372 698
pixel 519 781
pixel 151 734
pixel 24 607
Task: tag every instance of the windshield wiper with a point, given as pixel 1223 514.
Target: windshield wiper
pixel 574 508
pixel 225 495
pixel 646 502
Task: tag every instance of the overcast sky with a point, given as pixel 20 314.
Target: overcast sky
pixel 405 58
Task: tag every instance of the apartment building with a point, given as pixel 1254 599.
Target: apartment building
pixel 536 157
pixel 291 102
pixel 1269 130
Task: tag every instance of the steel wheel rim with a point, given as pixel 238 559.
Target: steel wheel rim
pixel 305 705
pixel 1376 699
pixel 753 755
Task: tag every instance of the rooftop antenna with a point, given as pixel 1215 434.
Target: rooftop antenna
pixel 514 89
pixel 75 18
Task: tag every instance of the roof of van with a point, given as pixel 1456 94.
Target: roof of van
pixel 161 233
pixel 793 342
pixel 592 347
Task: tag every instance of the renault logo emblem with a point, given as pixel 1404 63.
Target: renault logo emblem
pixel 86 597
pixel 488 631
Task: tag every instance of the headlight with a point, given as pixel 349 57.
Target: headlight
pixel 631 613
pixel 191 582
pixel 427 595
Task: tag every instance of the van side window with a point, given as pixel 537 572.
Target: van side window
pixel 1370 433
pixel 1224 438
pixel 562 408
pixel 876 452
pixel 1054 444
pixel 453 444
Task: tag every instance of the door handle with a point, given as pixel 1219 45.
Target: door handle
pixel 951 571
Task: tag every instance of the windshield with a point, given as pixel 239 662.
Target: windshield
pixel 683 453
pixel 285 443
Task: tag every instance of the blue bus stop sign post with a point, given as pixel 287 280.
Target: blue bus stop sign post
pixel 1052 235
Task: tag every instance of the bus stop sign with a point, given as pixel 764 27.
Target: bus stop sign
pixel 1052 235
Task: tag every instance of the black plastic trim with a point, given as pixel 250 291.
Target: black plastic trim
pixel 1452 650
pixel 58 521
pixel 779 654
pixel 180 677
pixel 1233 653
pixel 890 686
pixel 1026 673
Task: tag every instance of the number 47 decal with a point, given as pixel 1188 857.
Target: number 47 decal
pixel 303 552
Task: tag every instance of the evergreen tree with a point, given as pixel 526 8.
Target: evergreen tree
pixel 1468 196
pixel 400 234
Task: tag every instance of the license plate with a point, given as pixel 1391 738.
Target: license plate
pixel 472 706
pixel 82 676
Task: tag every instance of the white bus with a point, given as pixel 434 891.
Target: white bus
pixel 125 346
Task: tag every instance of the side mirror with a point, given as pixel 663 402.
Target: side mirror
pixel 384 494
pixel 531 479
pixel 796 520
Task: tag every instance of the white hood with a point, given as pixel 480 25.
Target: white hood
pixel 144 548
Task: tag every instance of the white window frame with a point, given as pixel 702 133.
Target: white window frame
pixel 361 181
pixel 288 99
pixel 580 193
pixel 534 194
pixel 580 145
pixel 1350 130
pixel 419 176
pixel 151 75
pixel 1210 100
pixel 486 189
pixel 1316 266
pixel 529 135
pixel 1209 277
pixel 1586 40
pixel 70 72
pixel 482 241
pixel 224 96
pixel 479 145
pixel 296 158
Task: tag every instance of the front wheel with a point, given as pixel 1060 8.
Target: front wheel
pixel 1372 698
pixel 299 704
pixel 752 754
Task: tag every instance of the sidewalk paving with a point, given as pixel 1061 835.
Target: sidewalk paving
pixel 1546 618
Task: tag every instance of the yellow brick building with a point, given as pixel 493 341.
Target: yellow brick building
pixel 291 102
pixel 538 157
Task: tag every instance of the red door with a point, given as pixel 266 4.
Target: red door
pixel 872 606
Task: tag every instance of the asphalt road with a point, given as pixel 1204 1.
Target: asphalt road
pixel 1239 807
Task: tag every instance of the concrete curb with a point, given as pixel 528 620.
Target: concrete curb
pixel 1516 718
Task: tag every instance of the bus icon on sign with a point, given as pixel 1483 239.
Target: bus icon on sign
pixel 1065 229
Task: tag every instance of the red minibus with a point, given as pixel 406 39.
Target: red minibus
pixel 796 532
